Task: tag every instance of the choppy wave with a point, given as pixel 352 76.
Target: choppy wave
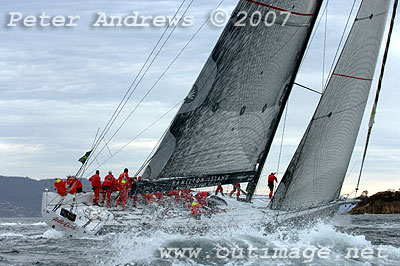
pixel 39 245
pixel 11 235
pixel 53 234
pixel 23 224
pixel 9 224
pixel 135 247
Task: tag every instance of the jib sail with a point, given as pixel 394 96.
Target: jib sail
pixel 316 172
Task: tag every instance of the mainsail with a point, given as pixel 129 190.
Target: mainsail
pixel 221 132
pixel 316 173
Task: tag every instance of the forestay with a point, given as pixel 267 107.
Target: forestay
pixel 231 112
pixel 316 173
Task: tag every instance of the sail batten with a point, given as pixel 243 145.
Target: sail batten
pixel 233 108
pixel 317 170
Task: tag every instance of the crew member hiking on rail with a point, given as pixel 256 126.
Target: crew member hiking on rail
pixel 107 188
pixel 96 186
pixel 60 186
pixel 201 198
pixel 194 210
pixel 271 179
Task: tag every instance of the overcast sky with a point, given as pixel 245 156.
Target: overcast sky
pixel 59 85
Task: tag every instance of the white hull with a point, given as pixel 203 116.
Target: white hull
pixel 91 220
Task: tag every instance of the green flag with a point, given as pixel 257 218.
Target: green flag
pixel 84 158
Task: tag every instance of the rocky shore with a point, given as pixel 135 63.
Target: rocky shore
pixel 387 202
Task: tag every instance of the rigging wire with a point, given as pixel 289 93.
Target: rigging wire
pixel 165 71
pixel 125 99
pixel 324 50
pixel 283 134
pixel 314 33
pixel 378 91
pixel 138 135
pixel 91 148
pixel 340 43
pixel 307 88
pixel 144 74
pixel 162 46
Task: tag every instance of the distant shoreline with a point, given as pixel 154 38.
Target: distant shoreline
pixel 387 202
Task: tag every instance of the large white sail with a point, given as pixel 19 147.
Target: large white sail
pixel 317 171
pixel 232 111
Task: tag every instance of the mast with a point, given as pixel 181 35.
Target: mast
pixel 252 185
pixel 378 91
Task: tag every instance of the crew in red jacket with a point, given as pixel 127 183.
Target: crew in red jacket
pixel 174 193
pixel 114 186
pixel 107 187
pixel 96 186
pixel 159 195
pixel 194 209
pixel 271 179
pixel 201 198
pixel 149 198
pixel 219 189
pixel 124 175
pixel 186 194
pixel 74 185
pixel 123 185
pixel 60 186
pixel 234 189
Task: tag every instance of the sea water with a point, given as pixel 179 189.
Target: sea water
pixel 346 240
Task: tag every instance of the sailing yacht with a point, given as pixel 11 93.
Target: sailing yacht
pixel 224 129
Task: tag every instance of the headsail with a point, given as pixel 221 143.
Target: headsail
pixel 231 113
pixel 317 171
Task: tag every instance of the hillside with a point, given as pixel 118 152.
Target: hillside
pixel 387 202
pixel 22 196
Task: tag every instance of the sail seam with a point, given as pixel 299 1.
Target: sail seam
pixel 352 77
pixel 280 9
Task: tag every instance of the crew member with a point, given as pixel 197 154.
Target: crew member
pixel 74 185
pixel 60 186
pixel 219 189
pixel 124 174
pixel 123 184
pixel 201 198
pixel 186 194
pixel 149 198
pixel 107 187
pixel 114 186
pixel 174 193
pixel 133 186
pixel 236 187
pixel 159 195
pixel 194 210
pixel 96 186
pixel 271 179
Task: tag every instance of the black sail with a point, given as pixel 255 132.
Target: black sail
pixel 221 131
pixel 316 173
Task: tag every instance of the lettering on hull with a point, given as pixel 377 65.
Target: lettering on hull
pixel 64 223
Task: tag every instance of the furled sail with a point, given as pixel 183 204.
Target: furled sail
pixel 316 172
pixel 221 131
